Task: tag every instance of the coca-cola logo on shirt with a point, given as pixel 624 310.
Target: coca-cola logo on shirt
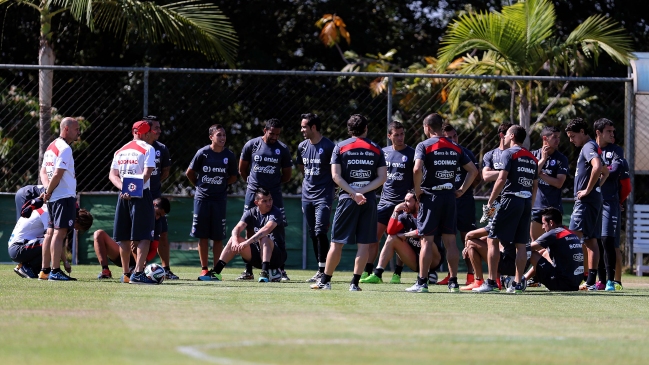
pixel 265 169
pixel 217 180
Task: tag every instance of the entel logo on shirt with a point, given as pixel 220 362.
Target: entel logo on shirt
pixel 257 158
pixel 206 169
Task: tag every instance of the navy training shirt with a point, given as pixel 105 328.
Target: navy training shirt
pixel 492 159
pixel 566 252
pixel 360 159
pixel 400 165
pixel 461 173
pixel 588 152
pixel 212 172
pixel 547 195
pixel 255 221
pixel 522 168
pixel 612 156
pixel 162 160
pixel 318 185
pixel 441 157
pixel 266 163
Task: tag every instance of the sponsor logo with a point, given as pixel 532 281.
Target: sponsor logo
pixel 396 164
pixel 499 165
pixel 444 162
pixel 216 180
pixel 206 169
pixel 608 154
pixel 445 174
pixel 127 162
pixel 271 159
pixel 49 164
pixel 277 151
pixel 525 182
pixel 219 169
pixel 404 158
pixel 320 151
pixel 359 184
pixel 264 169
pixel 365 174
pixel 579 271
pixel 157 153
pixel 395 176
pixel 314 171
pixel 526 169
pixel 257 158
pixel 357 161
pixel 573 246
pixel 579 257
pixel 225 160
pixel 70 223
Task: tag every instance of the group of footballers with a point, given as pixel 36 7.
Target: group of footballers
pixel 426 198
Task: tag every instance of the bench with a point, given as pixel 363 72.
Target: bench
pixel 640 236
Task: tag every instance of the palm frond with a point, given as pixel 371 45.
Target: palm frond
pixel 599 31
pixel 537 17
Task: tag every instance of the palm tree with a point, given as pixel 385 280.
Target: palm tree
pixel 190 25
pixel 520 40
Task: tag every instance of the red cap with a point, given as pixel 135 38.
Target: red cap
pixel 141 127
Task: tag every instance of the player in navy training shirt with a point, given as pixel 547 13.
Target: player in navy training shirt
pixel 399 159
pixel 266 162
pixel 516 187
pixel 358 168
pixel 553 170
pixel 491 164
pixel 585 220
pixel 436 163
pixel 313 160
pixel 212 169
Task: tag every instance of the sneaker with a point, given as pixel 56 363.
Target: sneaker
pixel 416 288
pixel 474 284
pixel 126 278
pixel 587 287
pixel 531 283
pixel 60 276
pixel 246 276
pixel 600 286
pixel 284 276
pixel 515 289
pixel 43 276
pixel 320 286
pixel 354 287
pixel 372 279
pixel 169 275
pixel 432 277
pixel 610 286
pixel 453 287
pixel 486 288
pixel 25 271
pixel 141 279
pixel 105 274
pixel 364 275
pixel 210 275
pixel 443 281
pixel 470 278
pixel 315 277
pixel 263 277
pixel 618 286
pixel 396 279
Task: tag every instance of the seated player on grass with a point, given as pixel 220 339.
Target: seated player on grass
pixel 107 249
pixel 557 258
pixel 263 249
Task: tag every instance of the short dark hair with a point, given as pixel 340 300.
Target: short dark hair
pixel 312 120
pixel 85 219
pixel 272 123
pixel 504 127
pixel 552 214
pixel 356 125
pixel 261 191
pixel 548 130
pixel 412 191
pixel 394 125
pixel 163 203
pixel 434 121
pixel 602 123
pixel 447 127
pixel 151 118
pixel 519 133
pixel 576 125
pixel 215 127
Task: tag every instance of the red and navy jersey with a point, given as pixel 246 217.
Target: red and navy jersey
pixel 441 158
pixel 565 250
pixel 402 224
pixel 588 152
pixel 612 156
pixel 360 160
pixel 522 168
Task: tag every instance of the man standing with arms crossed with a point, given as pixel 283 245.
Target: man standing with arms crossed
pixel 313 161
pixel 59 179
pixel 358 168
pixel 436 163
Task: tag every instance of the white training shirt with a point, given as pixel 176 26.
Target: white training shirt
pixel 133 158
pixel 32 227
pixel 59 156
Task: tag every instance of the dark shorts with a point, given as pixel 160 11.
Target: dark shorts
pixel 611 219
pixel 27 252
pixel 209 220
pixel 317 216
pixel 586 218
pixel 507 261
pixel 278 201
pixel 277 259
pixel 437 214
pixel 536 216
pixel 118 261
pixel 546 274
pixel 354 223
pixel 384 212
pixel 511 224
pixel 63 213
pixel 465 214
pixel 134 219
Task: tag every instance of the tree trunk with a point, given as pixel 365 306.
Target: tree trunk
pixel 45 79
pixel 525 114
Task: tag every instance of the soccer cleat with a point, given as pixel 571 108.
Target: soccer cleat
pixel 486 288
pixel 470 278
pixel 141 279
pixel 396 279
pixel 453 287
pixel 25 271
pixel 320 286
pixel 169 275
pixel 60 276
pixel 417 288
pixel 315 277
pixel 600 286
pixel 246 276
pixel 43 276
pixel 432 277
pixel 210 275
pixel 126 278
pixel 284 276
pixel 443 281
pixel 531 283
pixel 105 274
pixel 364 275
pixel 354 287
pixel 474 284
pixel 489 211
pixel 618 285
pixel 263 277
pixel 610 286
pixel 587 287
pixel 372 279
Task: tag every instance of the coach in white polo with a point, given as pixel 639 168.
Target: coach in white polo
pixel 58 177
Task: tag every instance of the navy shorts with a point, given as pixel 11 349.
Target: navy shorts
pixel 586 218
pixel 465 213
pixel 511 224
pixel 27 252
pixel 277 259
pixel 384 212
pixel 63 213
pixel 610 219
pixel 507 261
pixel 354 223
pixel 278 201
pixel 437 214
pixel 546 274
pixel 134 218
pixel 318 216
pixel 209 220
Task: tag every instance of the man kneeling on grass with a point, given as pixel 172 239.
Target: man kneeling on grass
pixel 263 249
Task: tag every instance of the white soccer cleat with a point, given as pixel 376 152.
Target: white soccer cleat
pixel 489 211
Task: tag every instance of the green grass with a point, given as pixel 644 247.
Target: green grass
pixel 91 322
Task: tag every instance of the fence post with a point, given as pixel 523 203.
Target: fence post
pixel 390 82
pixel 629 137
pixel 145 103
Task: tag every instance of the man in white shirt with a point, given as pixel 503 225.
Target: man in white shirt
pixel 58 176
pixel 134 217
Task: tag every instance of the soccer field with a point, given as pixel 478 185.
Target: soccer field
pixel 230 322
